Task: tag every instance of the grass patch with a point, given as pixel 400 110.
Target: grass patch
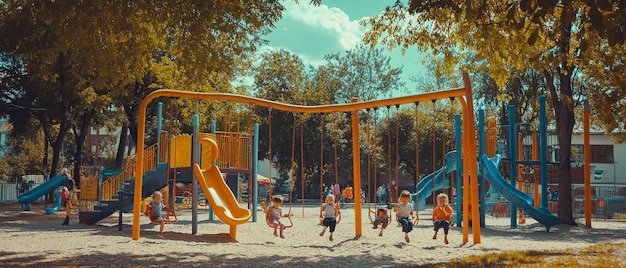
pixel 601 255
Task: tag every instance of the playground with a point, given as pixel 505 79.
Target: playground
pixel 30 234
pixel 236 235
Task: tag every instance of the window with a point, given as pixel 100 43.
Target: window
pixel 599 153
pixel 597 175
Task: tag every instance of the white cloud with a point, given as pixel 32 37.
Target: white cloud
pixel 313 61
pixel 349 33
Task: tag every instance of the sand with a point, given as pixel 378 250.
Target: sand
pixel 31 238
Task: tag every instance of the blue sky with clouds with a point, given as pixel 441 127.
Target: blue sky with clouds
pixel 314 31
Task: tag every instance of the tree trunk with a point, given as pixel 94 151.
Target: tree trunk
pixel 57 147
pixel 79 138
pixel 564 136
pixel 563 110
pixel 121 148
pixel 132 113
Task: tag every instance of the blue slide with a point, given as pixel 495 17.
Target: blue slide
pixel 425 185
pixel 43 189
pixel 515 196
pixel 57 204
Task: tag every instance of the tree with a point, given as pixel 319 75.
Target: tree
pixel 361 73
pixel 110 49
pixel 278 76
pixel 555 37
pixel 281 76
pixel 24 156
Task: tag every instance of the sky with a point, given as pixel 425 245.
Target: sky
pixel 311 32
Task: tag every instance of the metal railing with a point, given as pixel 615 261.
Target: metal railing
pixel 115 183
pixel 235 150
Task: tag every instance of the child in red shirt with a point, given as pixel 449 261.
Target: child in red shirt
pixel 442 216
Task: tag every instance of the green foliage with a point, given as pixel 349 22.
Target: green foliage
pixel 24 156
pixel 361 73
pixel 326 139
pixel 75 60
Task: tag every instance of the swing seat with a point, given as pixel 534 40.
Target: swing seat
pixel 369 215
pixel 271 224
pixel 338 220
pixel 150 211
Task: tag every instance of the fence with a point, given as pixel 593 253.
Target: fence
pixel 607 202
pixel 10 192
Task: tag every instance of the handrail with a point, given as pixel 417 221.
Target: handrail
pixel 237 152
pixel 112 185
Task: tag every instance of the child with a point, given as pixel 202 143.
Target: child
pixel 65 195
pixel 404 210
pixel 442 216
pixel 381 218
pixel 157 211
pixel 274 213
pixel 67 203
pixel 329 213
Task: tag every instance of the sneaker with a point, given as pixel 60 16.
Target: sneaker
pixel 322 233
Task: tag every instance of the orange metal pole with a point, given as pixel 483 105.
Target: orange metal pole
pixel 356 162
pixel 473 165
pixel 520 173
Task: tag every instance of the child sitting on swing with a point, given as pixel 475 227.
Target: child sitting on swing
pixel 273 213
pixel 329 213
pixel 381 218
pixel 157 211
pixel 442 216
pixel 404 213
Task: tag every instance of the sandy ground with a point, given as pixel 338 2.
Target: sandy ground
pixel 31 238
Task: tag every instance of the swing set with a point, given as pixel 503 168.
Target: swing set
pixel 266 207
pixel 462 94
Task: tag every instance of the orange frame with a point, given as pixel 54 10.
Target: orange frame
pixel 462 94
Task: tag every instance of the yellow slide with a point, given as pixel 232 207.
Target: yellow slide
pixel 218 193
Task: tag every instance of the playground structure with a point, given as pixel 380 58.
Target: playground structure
pixel 489 175
pixel 463 95
pixel 149 162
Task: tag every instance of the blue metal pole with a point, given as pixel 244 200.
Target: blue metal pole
pixel 513 158
pixel 255 171
pixel 481 178
pixel 459 169
pixel 159 129
pixel 195 159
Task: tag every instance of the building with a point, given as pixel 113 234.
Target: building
pixel 604 153
pixel 5 130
